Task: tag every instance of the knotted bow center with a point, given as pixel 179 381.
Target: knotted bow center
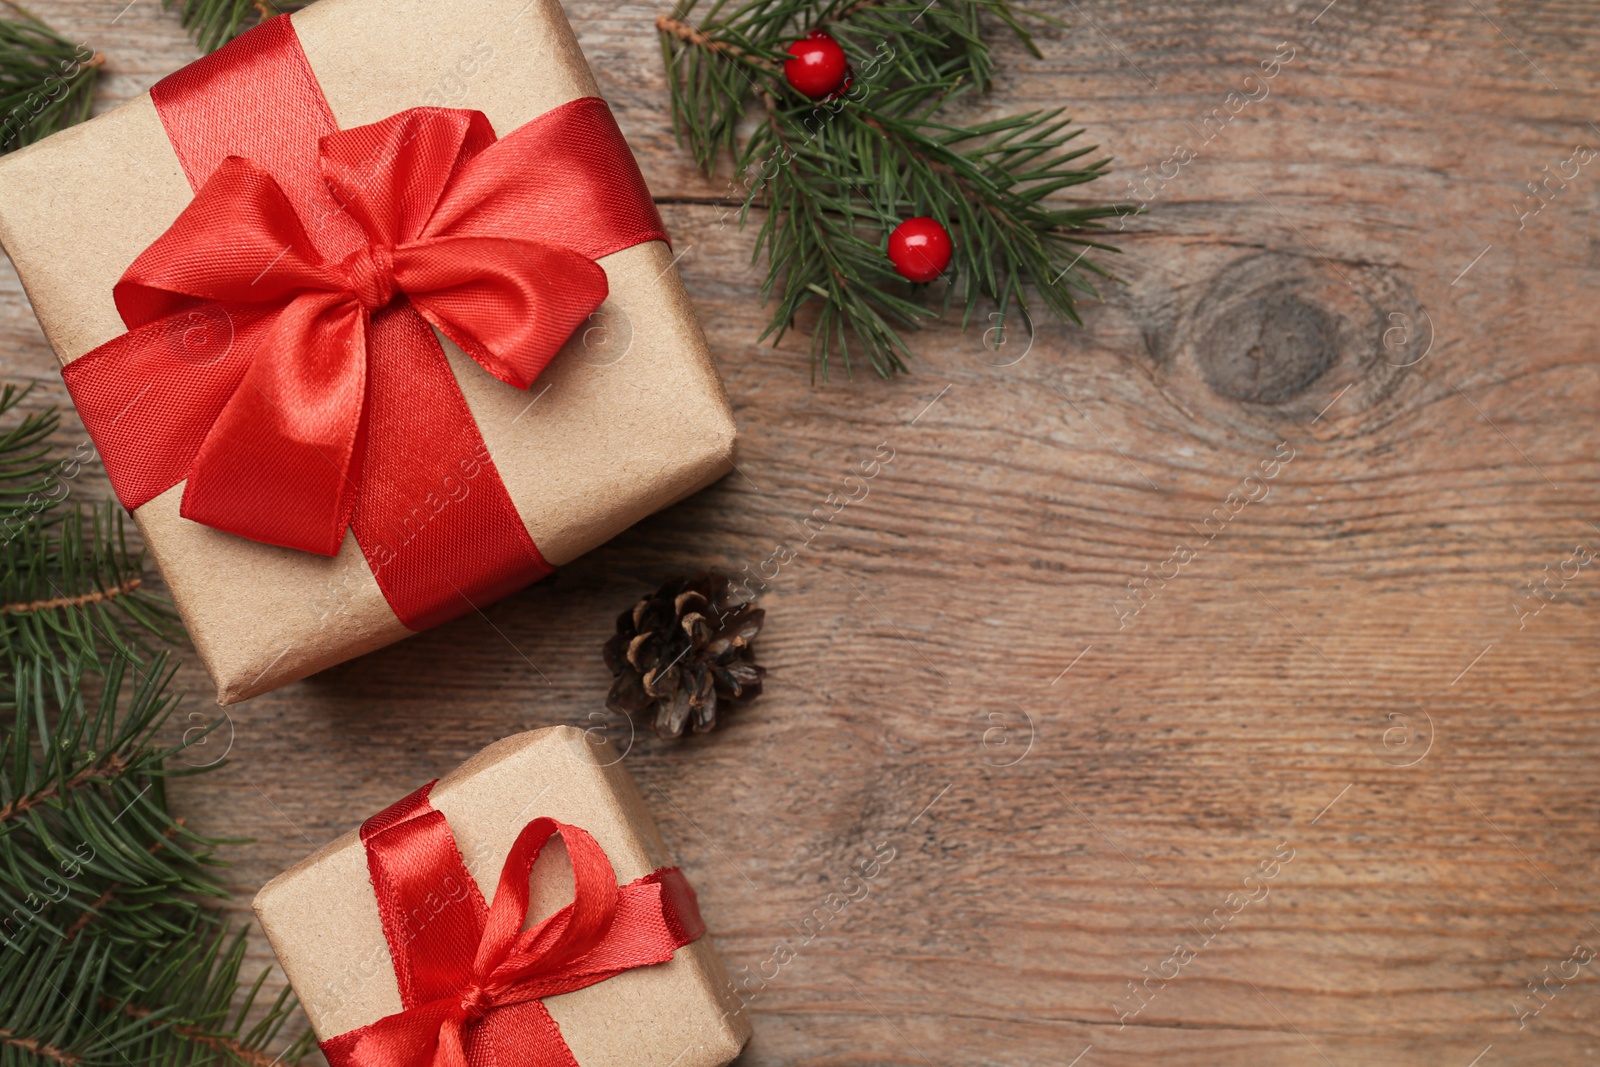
pixel 369 272
pixel 475 1002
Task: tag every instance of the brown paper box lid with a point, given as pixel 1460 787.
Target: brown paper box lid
pixel 322 918
pixel 628 419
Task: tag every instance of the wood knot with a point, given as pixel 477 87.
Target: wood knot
pixel 1275 335
pixel 1268 349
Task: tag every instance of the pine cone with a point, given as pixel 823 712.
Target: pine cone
pixel 683 650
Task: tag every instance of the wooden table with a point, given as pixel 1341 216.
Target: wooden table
pixel 1321 769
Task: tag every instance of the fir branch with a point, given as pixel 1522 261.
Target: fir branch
pixel 835 177
pixel 237 1050
pixel 85 799
pixel 25 464
pixel 46 81
pixel 110 952
pixel 94 596
pixel 39 1049
pixel 92 911
pixel 688 34
pixel 233 1048
pixel 72 585
pixel 161 968
pixel 89 913
pixel 46 1002
pixel 184 1006
pixel 204 1011
pixel 106 768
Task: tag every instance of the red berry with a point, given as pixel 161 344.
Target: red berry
pixel 816 65
pixel 920 249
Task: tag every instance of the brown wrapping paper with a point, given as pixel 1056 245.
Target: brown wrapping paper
pixel 629 418
pixel 322 918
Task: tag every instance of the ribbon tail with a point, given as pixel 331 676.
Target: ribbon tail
pixel 434 1035
pixel 149 397
pixel 655 916
pixel 419 1037
pixel 519 1035
pixel 680 905
pixel 282 463
pixel 434 519
pixel 431 909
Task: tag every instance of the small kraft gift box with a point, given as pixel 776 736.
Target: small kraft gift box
pixel 373 321
pixel 516 912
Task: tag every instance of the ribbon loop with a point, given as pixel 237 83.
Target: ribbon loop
pixel 389 175
pixel 567 935
pixel 471 980
pixel 238 243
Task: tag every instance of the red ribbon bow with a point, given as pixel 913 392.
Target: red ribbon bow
pixel 471 979
pixel 279 356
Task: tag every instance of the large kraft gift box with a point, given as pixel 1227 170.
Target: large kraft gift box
pixel 322 916
pixel 628 418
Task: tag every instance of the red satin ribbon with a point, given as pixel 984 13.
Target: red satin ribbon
pixel 279 356
pixel 471 979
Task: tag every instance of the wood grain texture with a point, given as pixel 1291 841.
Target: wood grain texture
pixel 1337 668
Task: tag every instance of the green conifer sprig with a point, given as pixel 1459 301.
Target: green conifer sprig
pixel 46 80
pixel 111 951
pixel 84 830
pixel 835 177
pixel 70 587
pixel 64 1006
